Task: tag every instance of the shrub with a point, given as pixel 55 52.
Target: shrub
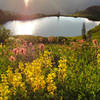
pixel 4 34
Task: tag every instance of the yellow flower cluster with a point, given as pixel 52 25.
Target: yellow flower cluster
pixel 38 74
pixel 98 58
pixel 4 88
pixel 1 45
pixel 51 86
pixel 34 75
pixel 62 69
pixel 15 79
pixel 46 59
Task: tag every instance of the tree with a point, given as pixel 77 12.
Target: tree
pixel 84 32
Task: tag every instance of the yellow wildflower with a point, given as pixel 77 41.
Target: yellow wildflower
pixel 51 87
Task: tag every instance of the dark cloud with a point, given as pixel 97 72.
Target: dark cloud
pixel 47 6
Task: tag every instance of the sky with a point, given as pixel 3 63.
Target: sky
pixel 47 6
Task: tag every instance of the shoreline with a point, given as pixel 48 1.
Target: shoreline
pixel 42 16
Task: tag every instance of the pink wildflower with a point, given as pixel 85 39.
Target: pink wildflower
pixel 15 51
pixel 12 58
pixel 95 42
pixel 6 40
pixel 81 41
pixel 30 44
pixel 5 53
pixel 33 49
pixel 22 51
pixel 72 43
pixel 41 46
pixel 25 43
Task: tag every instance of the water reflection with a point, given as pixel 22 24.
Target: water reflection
pixel 50 26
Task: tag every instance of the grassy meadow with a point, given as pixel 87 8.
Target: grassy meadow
pixel 49 68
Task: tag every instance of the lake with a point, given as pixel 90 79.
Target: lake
pixel 50 26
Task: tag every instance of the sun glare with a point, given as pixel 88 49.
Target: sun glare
pixel 24 28
pixel 26 2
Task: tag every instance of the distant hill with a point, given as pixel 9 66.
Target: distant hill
pixel 9 16
pixel 92 13
pixel 5 16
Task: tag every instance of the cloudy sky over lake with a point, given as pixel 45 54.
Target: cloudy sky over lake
pixel 47 6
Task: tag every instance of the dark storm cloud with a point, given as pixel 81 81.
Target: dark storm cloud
pixel 47 6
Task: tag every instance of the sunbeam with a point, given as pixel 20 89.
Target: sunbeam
pixel 26 2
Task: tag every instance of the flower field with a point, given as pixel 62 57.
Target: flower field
pixel 49 71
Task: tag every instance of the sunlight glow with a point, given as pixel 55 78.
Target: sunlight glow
pixel 21 27
pixel 26 2
pixel 24 28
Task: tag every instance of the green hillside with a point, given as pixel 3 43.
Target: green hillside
pixel 95 32
pixel 92 13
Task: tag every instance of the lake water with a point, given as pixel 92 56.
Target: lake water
pixel 50 26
